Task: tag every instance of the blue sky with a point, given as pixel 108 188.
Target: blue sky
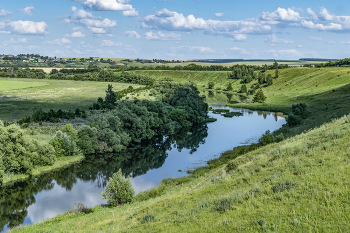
pixel 176 29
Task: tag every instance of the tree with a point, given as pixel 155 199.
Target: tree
pixel 229 87
pixel 243 89
pixel 259 97
pixel 211 85
pixel 119 190
pixel 111 97
pixel 269 80
pixel 276 73
pixel 261 78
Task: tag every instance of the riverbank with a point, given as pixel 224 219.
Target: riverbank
pixel 300 184
pixel 60 163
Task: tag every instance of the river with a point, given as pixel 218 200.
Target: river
pixel 43 197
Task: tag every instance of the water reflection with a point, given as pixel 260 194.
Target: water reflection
pixel 44 197
pixel 17 198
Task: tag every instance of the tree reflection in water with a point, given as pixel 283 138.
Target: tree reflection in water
pixel 16 198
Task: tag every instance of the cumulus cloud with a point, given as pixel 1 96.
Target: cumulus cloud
pixel 132 34
pixel 290 53
pixel 19 40
pixel 273 39
pixel 27 10
pixel 4 13
pixel 26 27
pixel 109 43
pixel 60 41
pixel 162 36
pixel 173 21
pixel 94 23
pixel 240 50
pixel 219 14
pixel 109 5
pixel 76 34
pixel 281 14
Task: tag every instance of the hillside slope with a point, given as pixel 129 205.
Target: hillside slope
pixel 300 184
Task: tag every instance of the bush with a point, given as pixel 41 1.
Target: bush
pixel 70 131
pixel 243 89
pixel 148 218
pixel 266 138
pixel 119 190
pixel 64 145
pixel 259 97
pixel 222 204
pixel 299 110
pixel 283 186
pixel 292 120
pixel 211 85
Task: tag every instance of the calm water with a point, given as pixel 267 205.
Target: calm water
pixel 44 197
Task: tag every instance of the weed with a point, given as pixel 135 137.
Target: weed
pixel 148 218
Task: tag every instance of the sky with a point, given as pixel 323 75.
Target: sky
pixel 176 29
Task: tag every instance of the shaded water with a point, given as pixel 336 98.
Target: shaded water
pixel 44 197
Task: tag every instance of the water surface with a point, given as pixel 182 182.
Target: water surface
pixel 39 198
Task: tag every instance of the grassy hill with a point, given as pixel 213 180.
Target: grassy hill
pixel 300 184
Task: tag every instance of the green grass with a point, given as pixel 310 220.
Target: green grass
pixel 16 85
pixel 298 185
pixel 64 94
pixel 59 164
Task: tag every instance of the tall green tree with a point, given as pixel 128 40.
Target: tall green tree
pixel 111 97
pixel 276 73
pixel 259 97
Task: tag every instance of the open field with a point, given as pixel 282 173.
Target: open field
pixel 298 185
pixel 6 85
pixel 64 94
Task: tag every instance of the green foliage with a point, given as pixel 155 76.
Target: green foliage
pixel 222 204
pixel 87 139
pixel 269 81
pixel 229 87
pixel 119 190
pixel 70 131
pixel 20 154
pixel 148 218
pixel 243 89
pixel 300 110
pixel 259 96
pixel 149 194
pixel 266 138
pixel 276 73
pixel 111 97
pixel 64 145
pixel 283 186
pixel 211 85
pixel 292 120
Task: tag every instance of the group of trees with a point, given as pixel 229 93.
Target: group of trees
pixel 19 154
pixel 299 112
pixel 15 72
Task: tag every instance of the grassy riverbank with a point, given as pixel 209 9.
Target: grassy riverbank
pixel 37 171
pixel 300 184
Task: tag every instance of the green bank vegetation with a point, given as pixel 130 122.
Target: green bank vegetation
pixel 297 184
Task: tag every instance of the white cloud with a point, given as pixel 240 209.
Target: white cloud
pixel 312 14
pixel 131 13
pixel 219 14
pixel 289 53
pixel 161 36
pixel 240 50
pixel 109 5
pixel 77 34
pixel 273 39
pixel 281 15
pixel 4 13
pixel 173 21
pixel 132 34
pixel 27 27
pixel 97 30
pixel 110 43
pixel 60 41
pixel 28 9
pixel 93 23
pixel 131 49
pixel 315 38
pixel 192 49
pixel 13 41
pixel 300 46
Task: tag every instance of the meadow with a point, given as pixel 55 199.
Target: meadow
pixel 299 184
pixel 57 94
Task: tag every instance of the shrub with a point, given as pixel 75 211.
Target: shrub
pixel 283 186
pixel 222 204
pixel 279 137
pixel 229 87
pixel 70 131
pixel 211 85
pixel 259 96
pixel 231 166
pixel 292 120
pixel 243 89
pixel 87 139
pixel 299 110
pixel 119 190
pixel 148 218
pixel 64 145
pixel 266 138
